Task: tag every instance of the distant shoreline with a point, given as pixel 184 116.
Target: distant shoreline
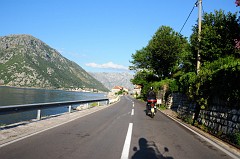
pixel 48 89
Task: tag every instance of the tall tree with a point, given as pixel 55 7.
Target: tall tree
pixel 140 60
pixel 163 54
pixel 220 54
pixel 219 34
pixel 165 49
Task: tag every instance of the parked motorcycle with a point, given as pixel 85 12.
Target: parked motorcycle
pixel 151 107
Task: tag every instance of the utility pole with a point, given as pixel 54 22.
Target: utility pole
pixel 199 33
pixel 197 110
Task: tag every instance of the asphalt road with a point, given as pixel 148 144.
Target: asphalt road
pixel 113 133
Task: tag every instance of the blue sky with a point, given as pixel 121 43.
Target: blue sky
pixel 100 35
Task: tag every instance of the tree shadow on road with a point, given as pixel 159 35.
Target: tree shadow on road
pixel 149 150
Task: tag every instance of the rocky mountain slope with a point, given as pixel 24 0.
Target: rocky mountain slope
pixel 111 79
pixel 26 61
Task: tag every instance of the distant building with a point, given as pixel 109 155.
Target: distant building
pixel 125 89
pixel 137 90
pixel 116 89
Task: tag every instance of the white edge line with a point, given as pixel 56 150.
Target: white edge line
pixel 208 140
pixel 35 133
pixel 127 142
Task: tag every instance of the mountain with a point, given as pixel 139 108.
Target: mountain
pixel 26 61
pixel 110 79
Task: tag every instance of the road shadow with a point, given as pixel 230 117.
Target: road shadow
pixel 149 150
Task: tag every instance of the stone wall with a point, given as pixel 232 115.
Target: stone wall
pixel 180 103
pixel 221 119
pixel 217 117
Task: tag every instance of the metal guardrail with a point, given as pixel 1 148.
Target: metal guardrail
pixel 38 106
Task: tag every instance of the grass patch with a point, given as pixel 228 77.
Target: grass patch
pixel 162 107
pixel 94 104
pixel 2 124
pixel 187 119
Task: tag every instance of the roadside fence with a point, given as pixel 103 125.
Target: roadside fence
pixel 85 104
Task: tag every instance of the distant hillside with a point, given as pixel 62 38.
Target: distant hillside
pixel 109 79
pixel 26 61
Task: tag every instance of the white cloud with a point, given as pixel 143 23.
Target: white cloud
pixel 109 65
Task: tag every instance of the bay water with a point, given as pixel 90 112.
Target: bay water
pixel 19 96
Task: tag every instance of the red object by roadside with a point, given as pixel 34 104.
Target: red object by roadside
pixel 152 100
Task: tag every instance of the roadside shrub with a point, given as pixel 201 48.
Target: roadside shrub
pixel 162 107
pixel 168 84
pixel 235 138
pixel 94 104
pixel 186 118
pixel 219 78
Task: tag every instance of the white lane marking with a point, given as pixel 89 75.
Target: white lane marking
pixel 127 142
pixel 133 104
pixel 208 140
pixel 132 112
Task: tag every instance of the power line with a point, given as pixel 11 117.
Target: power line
pixel 195 5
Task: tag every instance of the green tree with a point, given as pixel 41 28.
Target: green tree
pixel 219 58
pixel 164 55
pixel 219 34
pixel 165 51
pixel 219 72
pixel 141 60
pixel 221 78
pixel 144 78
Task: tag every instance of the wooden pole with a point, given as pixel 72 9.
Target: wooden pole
pixel 199 33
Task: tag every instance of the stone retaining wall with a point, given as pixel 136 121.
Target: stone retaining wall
pixel 221 119
pixel 217 117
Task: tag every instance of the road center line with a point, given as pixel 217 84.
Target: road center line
pixel 132 112
pixel 127 142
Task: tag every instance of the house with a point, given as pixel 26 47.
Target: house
pixel 137 90
pixel 116 89
pixel 125 89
